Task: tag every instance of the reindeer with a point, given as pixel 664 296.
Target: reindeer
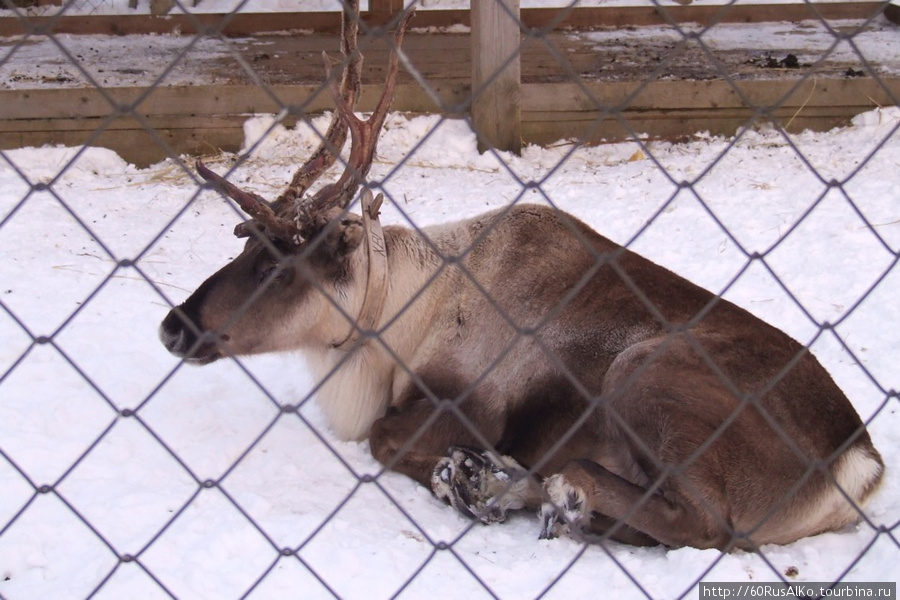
pixel 520 360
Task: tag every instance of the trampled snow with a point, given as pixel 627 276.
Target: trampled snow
pixel 96 251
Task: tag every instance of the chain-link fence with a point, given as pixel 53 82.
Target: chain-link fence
pixel 126 473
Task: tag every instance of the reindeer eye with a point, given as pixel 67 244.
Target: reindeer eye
pixel 269 274
pixel 274 273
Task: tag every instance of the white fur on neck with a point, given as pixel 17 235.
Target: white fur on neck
pixel 359 392
pixel 356 393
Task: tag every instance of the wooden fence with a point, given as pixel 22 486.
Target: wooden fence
pixel 505 108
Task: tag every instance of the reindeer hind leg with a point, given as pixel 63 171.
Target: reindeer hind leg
pixel 585 499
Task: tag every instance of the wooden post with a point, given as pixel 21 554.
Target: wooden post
pixel 496 75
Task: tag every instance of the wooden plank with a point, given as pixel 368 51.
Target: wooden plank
pixel 496 75
pixel 209 135
pixel 200 119
pixel 136 146
pixel 709 95
pixel 210 100
pixel 677 109
pixel 677 126
pixel 89 125
pixel 536 97
pixel 248 24
pixel 190 120
pixel 181 100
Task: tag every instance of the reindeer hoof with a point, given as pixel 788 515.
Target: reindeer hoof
pixel 471 482
pixel 551 525
pixel 564 512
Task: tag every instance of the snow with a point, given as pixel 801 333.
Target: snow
pixel 95 252
pixel 813 42
pixel 120 7
pixel 76 61
pixel 79 61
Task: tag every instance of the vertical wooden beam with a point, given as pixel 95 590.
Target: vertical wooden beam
pixel 496 75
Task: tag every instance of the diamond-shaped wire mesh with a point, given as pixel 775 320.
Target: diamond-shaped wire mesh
pixel 124 472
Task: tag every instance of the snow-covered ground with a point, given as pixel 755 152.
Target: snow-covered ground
pixel 94 252
pixel 76 61
pixel 810 40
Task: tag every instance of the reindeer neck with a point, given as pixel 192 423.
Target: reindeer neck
pixel 376 271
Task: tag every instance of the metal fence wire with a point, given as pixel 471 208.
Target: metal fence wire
pixel 195 539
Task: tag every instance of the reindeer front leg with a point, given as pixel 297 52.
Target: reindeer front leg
pixel 442 455
pixel 484 485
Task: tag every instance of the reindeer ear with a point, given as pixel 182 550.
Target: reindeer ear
pixel 343 232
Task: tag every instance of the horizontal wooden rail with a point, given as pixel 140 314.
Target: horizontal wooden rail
pixel 675 110
pixel 207 119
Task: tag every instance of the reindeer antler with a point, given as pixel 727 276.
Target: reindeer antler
pixel 336 135
pixel 253 205
pixel 289 217
pixel 363 135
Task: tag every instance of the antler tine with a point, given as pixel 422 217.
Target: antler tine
pixel 253 205
pixel 387 96
pixel 363 133
pixel 274 217
pixel 336 135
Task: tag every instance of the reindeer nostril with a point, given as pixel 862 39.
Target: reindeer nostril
pixel 174 341
pixel 174 335
pixel 225 337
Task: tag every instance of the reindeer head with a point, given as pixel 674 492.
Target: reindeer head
pixel 311 272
